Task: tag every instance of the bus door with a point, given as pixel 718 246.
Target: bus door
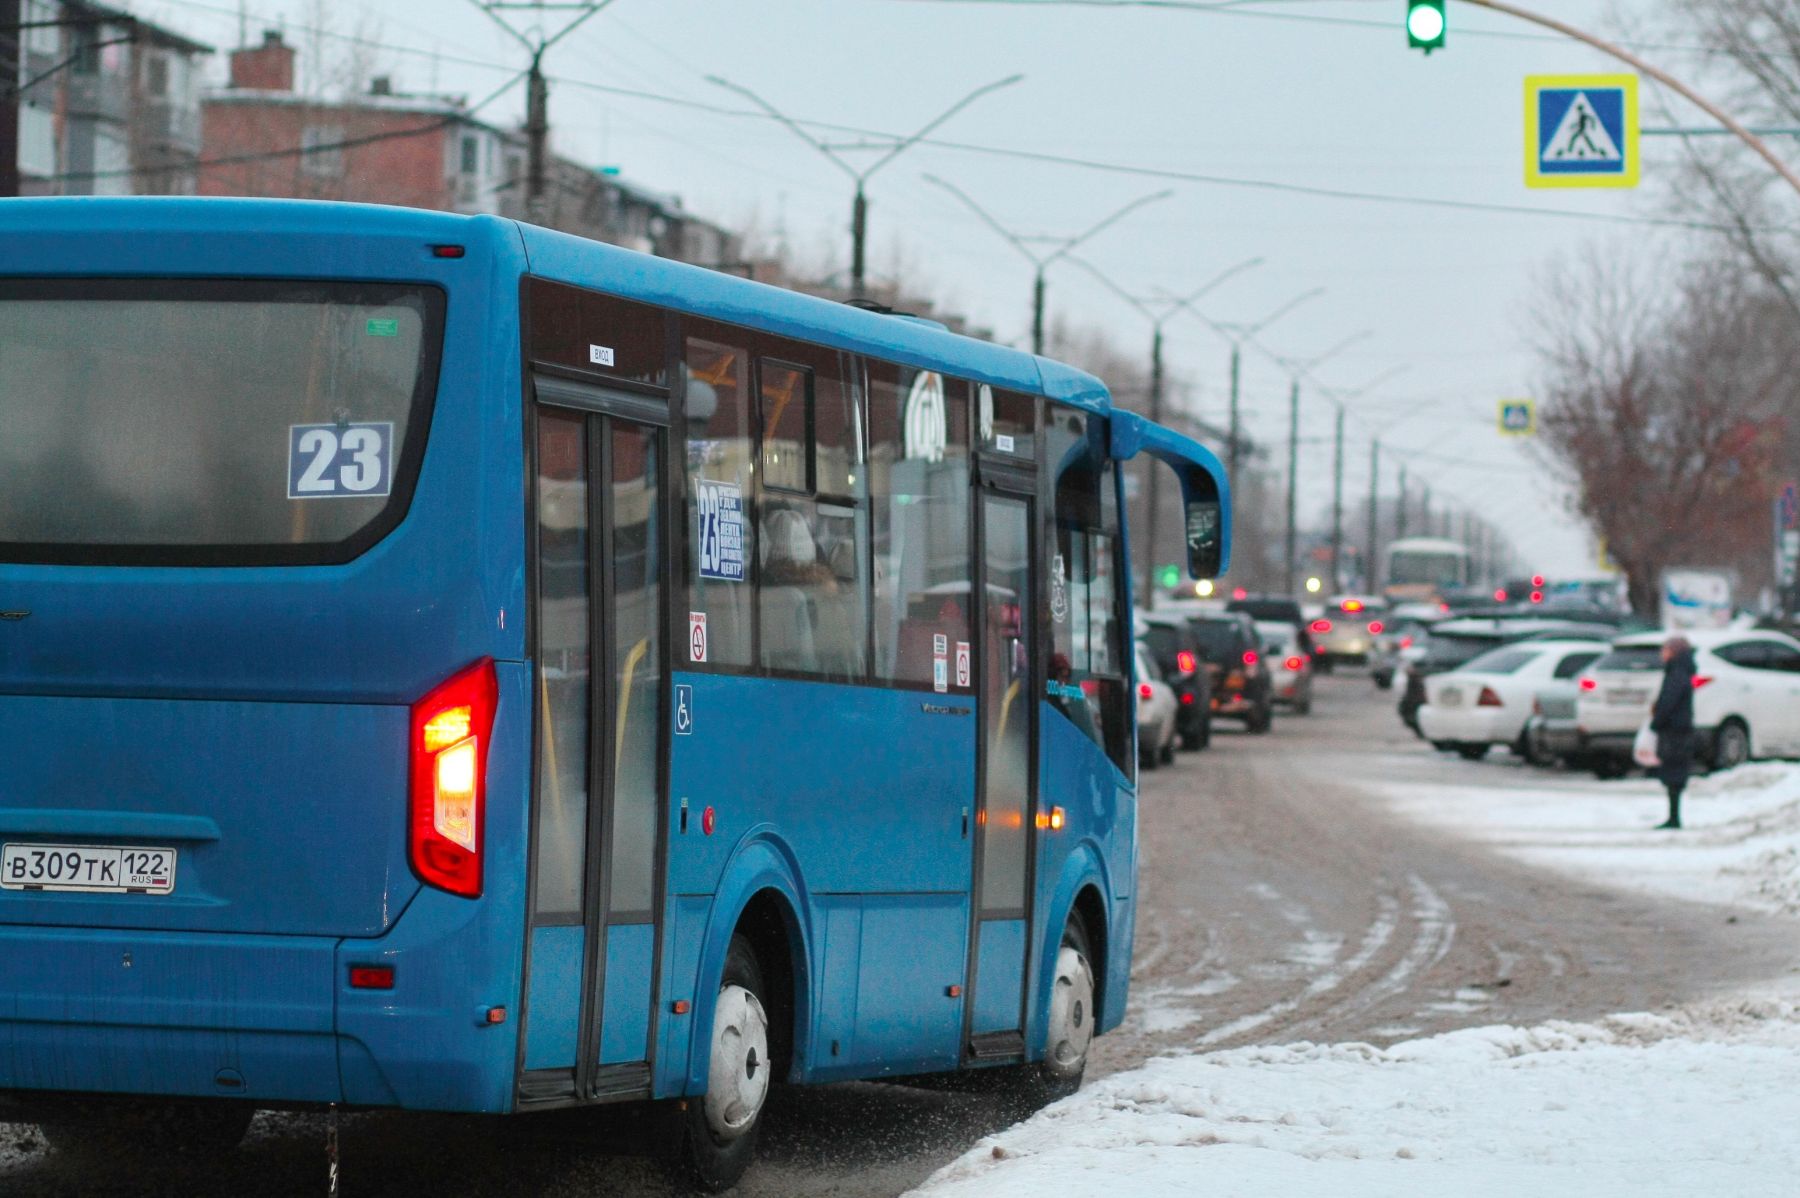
pixel 1006 761
pixel 602 541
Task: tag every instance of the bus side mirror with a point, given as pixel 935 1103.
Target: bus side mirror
pixel 1205 538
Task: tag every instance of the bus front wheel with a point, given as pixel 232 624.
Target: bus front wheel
pixel 1069 1030
pixel 719 1128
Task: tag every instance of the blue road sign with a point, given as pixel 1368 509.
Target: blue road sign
pixel 1581 131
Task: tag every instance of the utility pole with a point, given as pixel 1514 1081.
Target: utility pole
pixel 1293 473
pixel 1374 542
pixel 9 97
pixel 1337 507
pixel 537 92
pixel 859 206
pixel 1400 511
pixel 1151 468
pixel 1042 262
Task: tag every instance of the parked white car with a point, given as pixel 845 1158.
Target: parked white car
pixel 1746 697
pixel 1488 701
pixel 1157 710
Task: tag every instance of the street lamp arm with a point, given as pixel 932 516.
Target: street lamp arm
pixel 1107 223
pixel 1012 239
pixel 1663 77
pixel 1277 314
pixel 1206 288
pixel 907 143
pixel 792 125
pixel 566 30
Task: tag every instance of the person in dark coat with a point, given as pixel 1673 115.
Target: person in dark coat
pixel 1672 719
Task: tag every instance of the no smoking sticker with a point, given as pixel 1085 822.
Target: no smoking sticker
pixel 696 636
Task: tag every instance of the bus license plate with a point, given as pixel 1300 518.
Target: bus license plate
pixel 95 869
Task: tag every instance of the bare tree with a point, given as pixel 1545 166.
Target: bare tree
pixel 1666 409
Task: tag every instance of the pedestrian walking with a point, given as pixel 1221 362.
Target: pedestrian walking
pixel 1672 719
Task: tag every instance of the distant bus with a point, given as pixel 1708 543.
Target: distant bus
pixel 1423 569
pixel 451 665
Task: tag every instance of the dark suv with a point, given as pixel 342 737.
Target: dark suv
pixel 1276 609
pixel 1242 689
pixel 1178 652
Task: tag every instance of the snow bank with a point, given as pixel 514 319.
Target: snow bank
pixel 1740 845
pixel 1703 1102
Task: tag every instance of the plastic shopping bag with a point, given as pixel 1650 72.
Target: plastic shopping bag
pixel 1643 748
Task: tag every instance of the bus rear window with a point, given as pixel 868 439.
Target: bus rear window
pixel 209 422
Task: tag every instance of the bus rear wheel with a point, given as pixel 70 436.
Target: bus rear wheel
pixel 718 1130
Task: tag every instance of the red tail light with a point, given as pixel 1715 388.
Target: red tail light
pixel 1701 680
pixel 1185 662
pixel 1500 595
pixel 1589 684
pixel 1294 663
pixel 1489 698
pixel 1406 642
pixel 451 729
pixel 1376 628
pixel 1537 596
pixel 1144 691
pixel 1537 580
pixel 1537 707
pixel 1187 698
pixel 1321 625
pixel 1250 657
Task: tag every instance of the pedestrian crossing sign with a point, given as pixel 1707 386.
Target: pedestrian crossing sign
pixel 1581 131
pixel 1518 418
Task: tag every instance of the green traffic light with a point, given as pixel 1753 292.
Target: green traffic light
pixel 1169 576
pixel 1425 24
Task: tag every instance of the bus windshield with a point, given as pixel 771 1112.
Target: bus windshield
pixel 1442 569
pixel 207 422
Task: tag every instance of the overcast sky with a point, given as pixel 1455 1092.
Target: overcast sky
pixel 1319 94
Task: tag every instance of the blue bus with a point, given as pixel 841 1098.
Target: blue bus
pixel 450 665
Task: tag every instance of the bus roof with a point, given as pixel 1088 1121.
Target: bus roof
pixel 1427 545
pixel 121 220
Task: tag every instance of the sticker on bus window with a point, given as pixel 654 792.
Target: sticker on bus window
pixel 684 709
pixel 940 663
pixel 383 328
pixel 1059 589
pixel 963 667
pixel 720 507
pixel 600 355
pixel 340 461
pixel 696 636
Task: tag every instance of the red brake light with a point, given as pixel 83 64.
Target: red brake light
pixel 1589 684
pixel 371 977
pixel 1321 625
pixel 1375 628
pixel 1187 698
pixel 447 251
pixel 1489 698
pixel 1537 596
pixel 1406 642
pixel 1294 663
pixel 1250 658
pixel 1144 691
pixel 1240 593
pixel 451 730
pixel 1537 580
pixel 1500 595
pixel 1185 661
pixel 1701 680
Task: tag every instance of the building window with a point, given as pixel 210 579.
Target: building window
pixel 471 155
pixel 321 151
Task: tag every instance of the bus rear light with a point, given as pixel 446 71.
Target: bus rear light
pixel 371 977
pixel 1057 819
pixel 451 729
pixel 1184 661
pixel 447 251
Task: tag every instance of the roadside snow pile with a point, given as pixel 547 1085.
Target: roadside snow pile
pixel 1634 1106
pixel 1740 844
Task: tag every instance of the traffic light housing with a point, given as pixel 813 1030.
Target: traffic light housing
pixel 1425 24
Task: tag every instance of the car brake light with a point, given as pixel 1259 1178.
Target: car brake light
pixel 1144 691
pixel 1321 625
pixel 1489 698
pixel 1187 698
pixel 1701 680
pixel 1406 642
pixel 1537 707
pixel 1376 628
pixel 451 729
pixel 1589 684
pixel 1250 657
pixel 1294 663
pixel 1185 661
pixel 1500 595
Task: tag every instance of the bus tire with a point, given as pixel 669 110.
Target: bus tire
pixel 1068 1032
pixel 146 1130
pixel 718 1130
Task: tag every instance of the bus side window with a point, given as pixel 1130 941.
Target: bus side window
pixel 721 509
pixel 1087 655
pixel 812 597
pixel 919 501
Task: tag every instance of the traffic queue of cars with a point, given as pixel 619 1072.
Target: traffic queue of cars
pixel 1572 688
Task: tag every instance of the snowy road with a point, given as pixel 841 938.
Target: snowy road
pixel 1294 886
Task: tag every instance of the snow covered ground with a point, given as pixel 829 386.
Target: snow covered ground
pixel 1697 1101
pixel 1740 844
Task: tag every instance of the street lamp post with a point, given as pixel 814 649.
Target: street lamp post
pixel 1342 399
pixel 859 210
pixel 1157 311
pixel 1297 368
pixel 1042 262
